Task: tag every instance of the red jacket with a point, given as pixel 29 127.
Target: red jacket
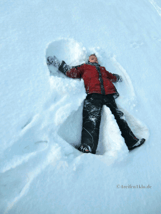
pixel 96 78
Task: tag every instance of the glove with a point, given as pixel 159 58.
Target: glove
pixel 53 61
pixel 119 78
pixel 64 67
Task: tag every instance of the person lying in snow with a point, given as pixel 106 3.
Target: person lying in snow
pixel 100 91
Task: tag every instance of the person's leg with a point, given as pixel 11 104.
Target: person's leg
pixel 130 138
pixel 91 121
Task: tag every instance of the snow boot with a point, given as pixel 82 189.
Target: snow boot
pixel 85 149
pixel 136 145
pixel 53 61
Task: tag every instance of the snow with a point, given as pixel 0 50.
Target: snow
pixel 41 115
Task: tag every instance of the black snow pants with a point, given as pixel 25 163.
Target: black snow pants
pixel 92 117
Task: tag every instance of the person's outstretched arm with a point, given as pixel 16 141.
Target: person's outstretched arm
pixel 73 72
pixel 114 77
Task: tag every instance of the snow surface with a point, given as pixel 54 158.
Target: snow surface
pixel 41 114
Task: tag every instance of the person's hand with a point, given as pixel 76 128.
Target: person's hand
pixel 53 61
pixel 120 79
pixel 49 60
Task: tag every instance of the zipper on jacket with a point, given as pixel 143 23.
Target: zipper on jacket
pixel 101 80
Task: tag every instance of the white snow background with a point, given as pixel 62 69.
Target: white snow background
pixel 41 114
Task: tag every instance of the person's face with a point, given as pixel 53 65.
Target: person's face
pixel 93 59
